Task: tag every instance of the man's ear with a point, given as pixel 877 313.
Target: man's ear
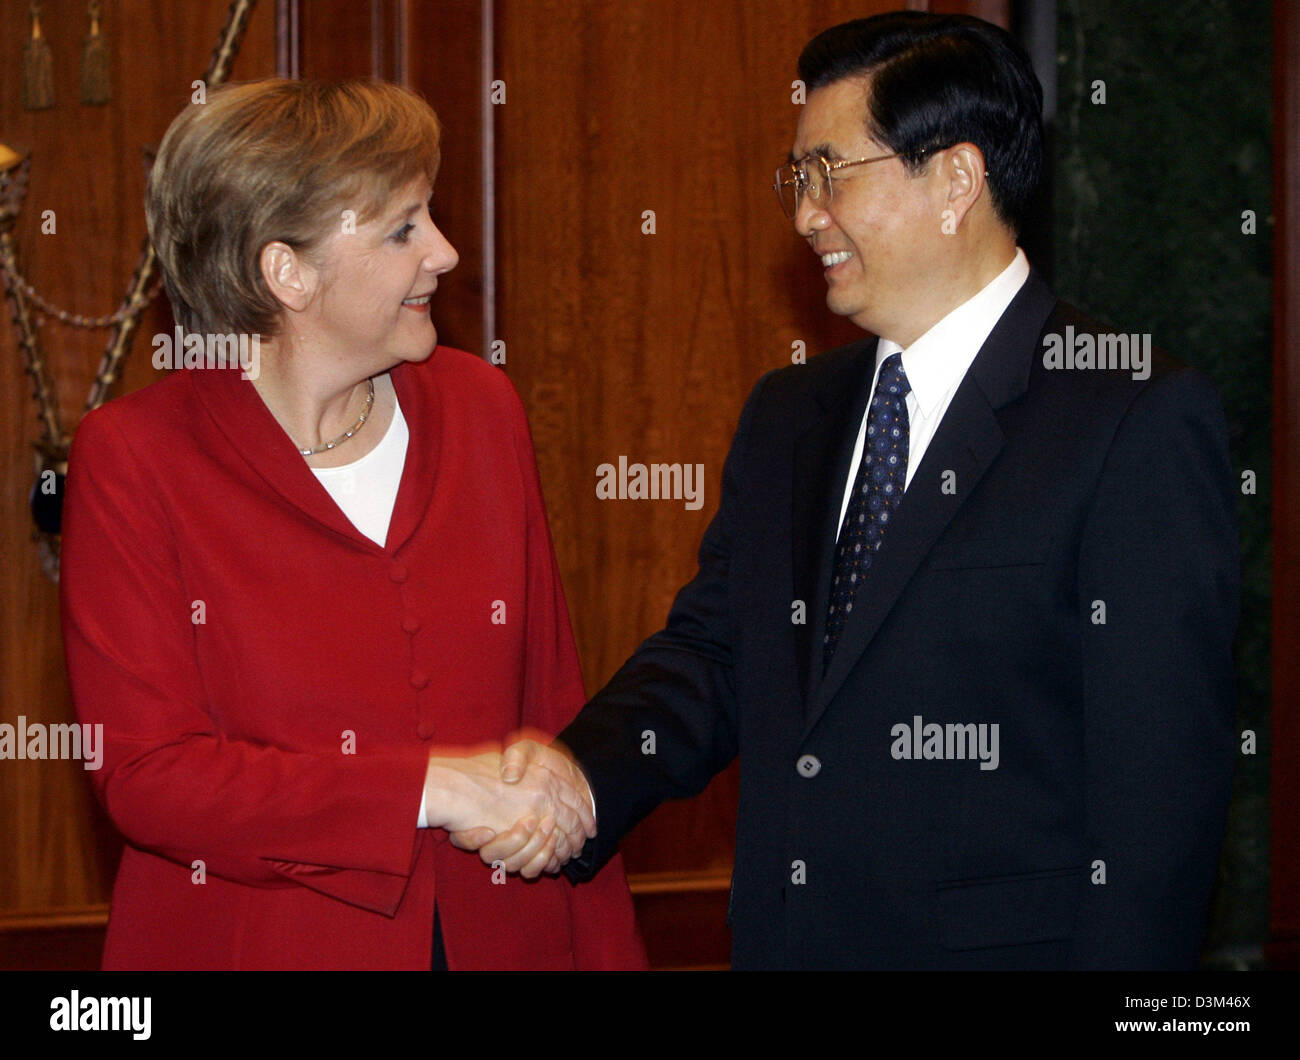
pixel 961 168
pixel 288 276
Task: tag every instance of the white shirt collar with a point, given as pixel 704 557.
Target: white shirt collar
pixel 936 362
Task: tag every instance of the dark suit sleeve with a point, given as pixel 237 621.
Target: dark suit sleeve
pixel 675 696
pixel 1160 552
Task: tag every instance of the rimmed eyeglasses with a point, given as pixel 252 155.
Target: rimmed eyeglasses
pixel 811 176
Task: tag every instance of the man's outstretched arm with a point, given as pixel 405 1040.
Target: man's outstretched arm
pixel 665 724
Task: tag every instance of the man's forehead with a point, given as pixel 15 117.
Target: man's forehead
pixel 833 120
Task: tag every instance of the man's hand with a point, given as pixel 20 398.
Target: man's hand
pixel 526 847
pixel 469 797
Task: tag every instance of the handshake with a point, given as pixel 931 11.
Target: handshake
pixel 529 809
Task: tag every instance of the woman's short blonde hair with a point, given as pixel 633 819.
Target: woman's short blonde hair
pixel 273 160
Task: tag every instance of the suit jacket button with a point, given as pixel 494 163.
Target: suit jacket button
pixel 398 572
pixel 419 679
pixel 411 626
pixel 808 766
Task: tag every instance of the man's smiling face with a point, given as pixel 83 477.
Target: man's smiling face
pixel 878 233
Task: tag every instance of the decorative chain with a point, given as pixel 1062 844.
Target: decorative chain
pixel 77 320
pixel 52 449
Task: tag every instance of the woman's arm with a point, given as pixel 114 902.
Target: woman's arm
pixel 172 781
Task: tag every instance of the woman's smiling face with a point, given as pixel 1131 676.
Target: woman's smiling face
pixel 376 280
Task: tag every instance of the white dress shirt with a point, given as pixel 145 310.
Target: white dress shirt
pixel 366 489
pixel 936 363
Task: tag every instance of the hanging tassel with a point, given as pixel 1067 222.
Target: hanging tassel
pixel 94 61
pixel 38 67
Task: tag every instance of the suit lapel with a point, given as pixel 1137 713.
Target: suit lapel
pixel 968 440
pixel 424 419
pixel 822 454
pixel 253 432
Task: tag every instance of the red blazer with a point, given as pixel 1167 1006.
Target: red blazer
pixel 271 681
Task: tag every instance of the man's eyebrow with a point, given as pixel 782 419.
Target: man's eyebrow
pixel 826 151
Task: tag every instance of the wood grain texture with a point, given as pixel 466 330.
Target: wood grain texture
pixel 57 849
pixel 337 39
pixel 443 45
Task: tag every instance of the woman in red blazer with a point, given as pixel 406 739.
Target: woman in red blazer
pixel 309 595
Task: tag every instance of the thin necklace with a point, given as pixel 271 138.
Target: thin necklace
pixel 361 422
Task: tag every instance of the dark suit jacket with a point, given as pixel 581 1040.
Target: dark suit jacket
pixel 1093 844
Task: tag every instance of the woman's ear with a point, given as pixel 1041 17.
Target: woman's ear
pixel 288 276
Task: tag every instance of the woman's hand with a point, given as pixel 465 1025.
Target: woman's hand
pixel 547 818
pixel 525 848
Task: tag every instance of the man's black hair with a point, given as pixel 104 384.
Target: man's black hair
pixel 939 80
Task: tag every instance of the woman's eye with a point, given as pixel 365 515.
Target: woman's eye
pixel 403 233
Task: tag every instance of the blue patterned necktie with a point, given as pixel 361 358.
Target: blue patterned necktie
pixel 876 492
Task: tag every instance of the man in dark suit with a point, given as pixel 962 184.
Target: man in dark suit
pixel 966 609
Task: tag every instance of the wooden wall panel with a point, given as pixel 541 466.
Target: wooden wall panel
pixel 336 39
pixel 444 44
pixel 57 850
pixel 623 343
